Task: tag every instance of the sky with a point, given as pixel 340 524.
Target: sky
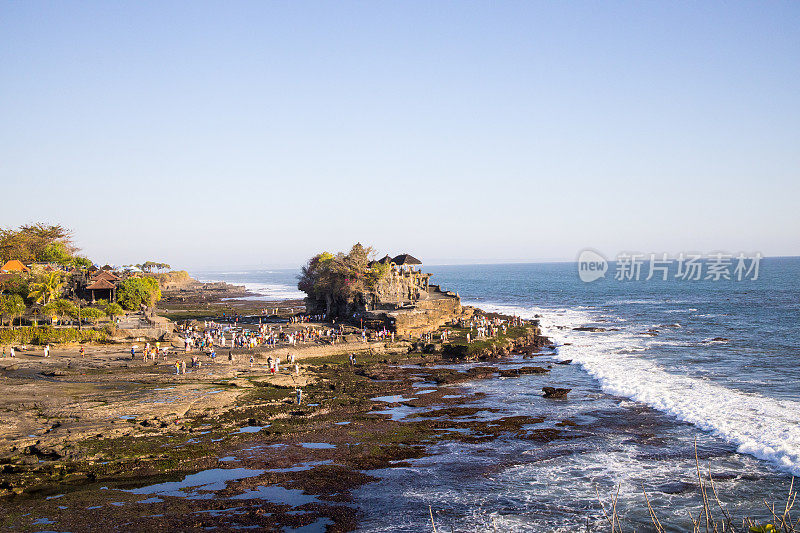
pixel 246 134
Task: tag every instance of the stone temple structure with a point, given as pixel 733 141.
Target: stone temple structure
pixel 405 301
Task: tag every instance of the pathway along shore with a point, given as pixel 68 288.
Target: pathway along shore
pixel 146 449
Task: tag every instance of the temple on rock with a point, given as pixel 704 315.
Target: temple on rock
pixel 392 292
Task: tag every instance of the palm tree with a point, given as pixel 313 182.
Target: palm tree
pixel 47 288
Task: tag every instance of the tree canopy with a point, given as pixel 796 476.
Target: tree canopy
pixel 12 306
pixel 17 284
pixel 92 314
pixel 149 266
pixel 342 275
pixel 134 292
pixel 113 310
pixel 44 243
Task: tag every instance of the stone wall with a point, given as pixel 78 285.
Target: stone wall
pixel 404 302
pixel 424 317
pixel 401 285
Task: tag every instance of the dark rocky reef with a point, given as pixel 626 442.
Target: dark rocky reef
pixel 553 392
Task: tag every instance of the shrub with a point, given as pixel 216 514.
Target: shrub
pixel 134 292
pixel 50 335
pixel 114 309
pixel 92 314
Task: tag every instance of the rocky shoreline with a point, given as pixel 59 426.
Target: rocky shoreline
pixel 197 299
pixel 107 421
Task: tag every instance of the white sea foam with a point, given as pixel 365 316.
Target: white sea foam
pixel 275 291
pixel 763 427
pixel 266 291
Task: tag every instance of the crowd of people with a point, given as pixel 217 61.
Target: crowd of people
pixel 483 327
pixel 205 339
pixel 213 334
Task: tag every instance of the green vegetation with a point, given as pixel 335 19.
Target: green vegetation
pixel 134 292
pixel 60 310
pixel 376 273
pixel 17 284
pixel 336 279
pixel 149 266
pixel 457 344
pixel 81 262
pixel 56 252
pixel 92 314
pixel 113 310
pixel 193 314
pixel 50 335
pixel 46 288
pixel 12 306
pixel 41 243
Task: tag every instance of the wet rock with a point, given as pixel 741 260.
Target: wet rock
pixel 53 373
pixel 482 371
pixel 377 374
pixel 554 392
pixel 513 372
pixel 589 328
pixel 541 435
pixel 676 487
pixel 566 423
pixel 564 362
pixel 42 452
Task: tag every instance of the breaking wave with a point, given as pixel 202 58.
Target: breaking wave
pixel 763 427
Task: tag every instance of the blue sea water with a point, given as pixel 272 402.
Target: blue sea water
pixel 645 389
pixel 266 285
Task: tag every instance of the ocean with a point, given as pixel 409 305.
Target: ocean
pixel 675 362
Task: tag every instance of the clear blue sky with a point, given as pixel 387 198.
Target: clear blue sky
pixel 257 133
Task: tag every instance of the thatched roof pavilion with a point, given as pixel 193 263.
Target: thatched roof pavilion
pixel 102 285
pixel 106 275
pixel 406 260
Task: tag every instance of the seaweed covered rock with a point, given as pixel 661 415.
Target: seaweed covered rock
pixel 554 392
